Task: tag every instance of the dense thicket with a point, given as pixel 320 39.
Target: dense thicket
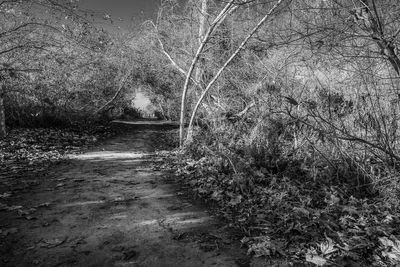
pixel 301 126
pixel 56 68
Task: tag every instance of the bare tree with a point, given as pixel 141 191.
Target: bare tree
pixel 229 8
pixel 371 24
pixel 221 70
pixel 26 39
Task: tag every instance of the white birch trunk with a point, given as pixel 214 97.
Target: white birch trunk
pixel 202 33
pixel 221 17
pixel 221 70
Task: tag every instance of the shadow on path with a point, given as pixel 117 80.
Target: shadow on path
pixel 112 206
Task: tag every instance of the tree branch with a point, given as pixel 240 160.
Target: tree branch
pixel 221 70
pixel 218 20
pixel 120 87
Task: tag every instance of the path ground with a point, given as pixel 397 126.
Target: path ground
pixel 112 206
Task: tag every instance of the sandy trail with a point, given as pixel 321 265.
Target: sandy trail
pixel 112 206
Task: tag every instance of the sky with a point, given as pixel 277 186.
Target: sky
pixel 123 13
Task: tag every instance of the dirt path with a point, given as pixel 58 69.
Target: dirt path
pixel 111 207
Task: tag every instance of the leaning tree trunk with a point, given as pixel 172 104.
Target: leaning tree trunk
pixel 2 115
pixel 218 20
pixel 370 23
pixel 222 69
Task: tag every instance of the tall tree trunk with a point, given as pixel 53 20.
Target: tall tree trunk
pixel 2 114
pixel 229 7
pixel 202 33
pixel 388 51
pixel 221 70
pixel 370 23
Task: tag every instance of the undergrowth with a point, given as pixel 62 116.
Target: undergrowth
pixel 296 206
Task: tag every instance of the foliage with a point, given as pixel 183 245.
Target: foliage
pixel 286 213
pixel 160 80
pixel 65 69
pixel 297 144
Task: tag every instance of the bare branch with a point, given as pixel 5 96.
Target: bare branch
pixel 120 87
pixel 221 70
pixel 218 20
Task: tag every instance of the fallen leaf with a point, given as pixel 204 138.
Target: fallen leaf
pixel 392 246
pixel 9 231
pixel 5 195
pixel 312 257
pixel 328 247
pixel 46 204
pixel 302 211
pixel 52 243
pixel 11 208
pixel 236 200
pixel 130 255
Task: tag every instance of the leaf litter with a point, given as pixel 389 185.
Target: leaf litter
pixel 25 156
pixel 300 221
